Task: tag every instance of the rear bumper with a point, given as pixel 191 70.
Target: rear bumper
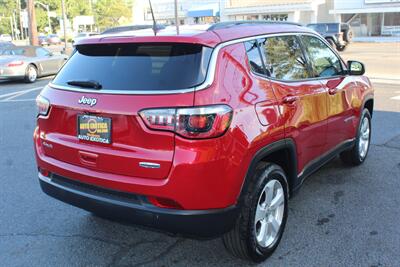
pixel 12 73
pixel 135 209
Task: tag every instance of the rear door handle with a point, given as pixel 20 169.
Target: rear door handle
pixel 290 99
pixel 332 91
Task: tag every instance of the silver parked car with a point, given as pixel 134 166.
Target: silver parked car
pixel 29 63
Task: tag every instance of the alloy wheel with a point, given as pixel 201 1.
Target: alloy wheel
pixel 269 213
pixel 32 74
pixel 364 138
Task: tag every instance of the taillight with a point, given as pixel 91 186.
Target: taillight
pixel 196 123
pixel 43 105
pixel 15 63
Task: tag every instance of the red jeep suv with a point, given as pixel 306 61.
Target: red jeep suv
pixel 204 133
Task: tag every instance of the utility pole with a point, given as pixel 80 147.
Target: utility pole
pixel 91 7
pixel 47 7
pixel 64 15
pixel 21 27
pixel 33 35
pixel 15 26
pixel 176 17
pixel 12 28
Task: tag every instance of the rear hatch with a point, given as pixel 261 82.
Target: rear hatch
pixel 95 100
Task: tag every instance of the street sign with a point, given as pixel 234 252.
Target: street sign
pixel 24 18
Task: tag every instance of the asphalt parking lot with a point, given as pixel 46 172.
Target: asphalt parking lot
pixel 342 216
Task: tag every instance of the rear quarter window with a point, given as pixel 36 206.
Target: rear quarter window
pixel 255 57
pixel 149 66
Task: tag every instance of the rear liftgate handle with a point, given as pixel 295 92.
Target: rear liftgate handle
pixel 87 158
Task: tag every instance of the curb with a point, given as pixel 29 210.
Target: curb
pixel 385 81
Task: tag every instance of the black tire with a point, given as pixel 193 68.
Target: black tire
pixel 331 43
pixel 30 78
pixel 348 35
pixel 354 156
pixel 241 241
pixel 341 48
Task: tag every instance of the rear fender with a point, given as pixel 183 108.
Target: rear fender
pixel 287 145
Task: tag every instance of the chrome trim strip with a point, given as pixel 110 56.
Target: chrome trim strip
pixel 44 178
pixel 121 92
pixel 204 110
pixel 149 165
pixel 210 72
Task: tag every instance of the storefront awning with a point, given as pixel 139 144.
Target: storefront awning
pixel 201 13
pixel 210 10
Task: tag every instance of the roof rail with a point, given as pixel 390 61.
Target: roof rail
pixel 230 24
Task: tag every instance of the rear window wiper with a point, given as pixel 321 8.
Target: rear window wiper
pixel 86 84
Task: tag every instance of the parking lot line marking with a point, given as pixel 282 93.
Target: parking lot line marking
pixel 19 93
pixel 18 100
pixel 395 97
pixel 9 94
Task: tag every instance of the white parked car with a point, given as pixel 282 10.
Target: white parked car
pixel 82 35
pixel 5 38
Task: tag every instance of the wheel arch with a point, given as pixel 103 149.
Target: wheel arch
pixel 330 37
pixel 369 104
pixel 282 153
pixel 36 66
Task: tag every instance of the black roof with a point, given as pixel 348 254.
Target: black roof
pixel 131 28
pixel 230 24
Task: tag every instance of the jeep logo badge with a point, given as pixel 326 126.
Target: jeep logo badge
pixel 87 101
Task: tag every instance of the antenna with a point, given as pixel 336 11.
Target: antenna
pixel 154 20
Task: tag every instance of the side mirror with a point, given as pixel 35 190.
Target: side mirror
pixel 50 54
pixel 355 67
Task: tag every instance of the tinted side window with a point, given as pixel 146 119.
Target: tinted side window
pixel 284 58
pixel 253 54
pixel 323 61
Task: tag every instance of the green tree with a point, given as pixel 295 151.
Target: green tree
pixel 109 13
pixel 76 8
pixel 7 7
pixel 41 14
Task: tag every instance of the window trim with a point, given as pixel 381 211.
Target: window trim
pixel 306 57
pixel 259 54
pixel 210 75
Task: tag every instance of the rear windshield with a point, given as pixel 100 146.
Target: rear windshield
pixel 137 66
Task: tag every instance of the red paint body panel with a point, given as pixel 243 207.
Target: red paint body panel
pixel 132 142
pixel 305 118
pixel 344 103
pixel 199 174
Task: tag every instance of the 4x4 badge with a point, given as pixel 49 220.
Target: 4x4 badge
pixel 87 101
